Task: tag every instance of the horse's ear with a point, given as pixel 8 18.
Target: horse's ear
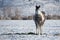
pixel 37 6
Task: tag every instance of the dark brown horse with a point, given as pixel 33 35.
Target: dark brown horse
pixel 39 19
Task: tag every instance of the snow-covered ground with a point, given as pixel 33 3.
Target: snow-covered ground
pixel 51 30
pixel 17 26
pixel 27 7
pixel 28 37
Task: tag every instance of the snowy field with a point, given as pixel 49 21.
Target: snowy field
pixel 51 30
pixel 20 26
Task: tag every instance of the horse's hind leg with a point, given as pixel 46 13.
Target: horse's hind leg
pixel 40 30
pixel 37 29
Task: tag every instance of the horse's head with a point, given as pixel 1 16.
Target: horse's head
pixel 37 7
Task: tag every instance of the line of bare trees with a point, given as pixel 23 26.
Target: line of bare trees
pixel 53 16
pixel 8 15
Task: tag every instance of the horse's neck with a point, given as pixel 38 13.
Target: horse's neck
pixel 39 13
pixel 36 12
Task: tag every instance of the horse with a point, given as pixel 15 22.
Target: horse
pixel 39 19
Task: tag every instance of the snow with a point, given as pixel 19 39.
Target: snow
pixel 17 26
pixel 50 28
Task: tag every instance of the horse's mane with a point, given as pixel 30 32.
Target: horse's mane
pixel 43 12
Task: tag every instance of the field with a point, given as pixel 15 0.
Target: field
pixel 51 30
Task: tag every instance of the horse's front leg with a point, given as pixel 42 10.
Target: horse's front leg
pixel 39 30
pixel 36 27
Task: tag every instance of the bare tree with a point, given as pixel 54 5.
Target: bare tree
pixel 17 14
